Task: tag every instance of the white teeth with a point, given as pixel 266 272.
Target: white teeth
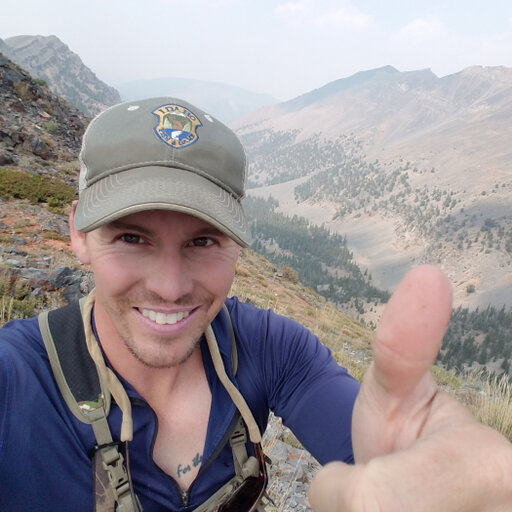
pixel 163 318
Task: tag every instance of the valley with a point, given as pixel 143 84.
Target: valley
pixel 372 239
pixel 411 168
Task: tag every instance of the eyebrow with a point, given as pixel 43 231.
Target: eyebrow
pixel 126 226
pixel 206 230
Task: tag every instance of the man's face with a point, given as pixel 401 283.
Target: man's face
pixel 161 277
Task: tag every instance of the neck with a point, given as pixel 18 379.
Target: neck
pixel 158 384
pixel 152 383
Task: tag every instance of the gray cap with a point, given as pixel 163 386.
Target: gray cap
pixel 161 153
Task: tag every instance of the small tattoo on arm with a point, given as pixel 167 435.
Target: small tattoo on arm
pixel 183 469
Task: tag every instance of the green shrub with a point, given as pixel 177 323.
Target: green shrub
pixel 22 90
pixel 37 189
pixel 50 126
pixel 16 300
pixel 41 82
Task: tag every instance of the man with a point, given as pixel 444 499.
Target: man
pixel 160 223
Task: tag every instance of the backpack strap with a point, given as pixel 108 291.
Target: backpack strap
pixel 74 370
pixel 88 397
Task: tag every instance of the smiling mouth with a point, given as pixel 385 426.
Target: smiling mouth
pixel 164 318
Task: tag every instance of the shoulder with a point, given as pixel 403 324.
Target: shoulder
pixel 21 337
pixel 27 383
pixel 35 418
pixel 275 344
pixel 22 352
pixel 23 362
pixel 250 321
pixel 286 366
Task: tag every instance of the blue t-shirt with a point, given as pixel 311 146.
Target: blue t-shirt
pixel 282 367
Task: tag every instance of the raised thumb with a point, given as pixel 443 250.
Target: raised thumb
pixel 411 330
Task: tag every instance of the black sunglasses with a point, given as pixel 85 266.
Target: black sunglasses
pixel 247 496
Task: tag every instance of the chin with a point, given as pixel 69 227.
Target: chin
pixel 159 357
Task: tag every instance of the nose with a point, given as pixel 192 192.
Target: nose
pixel 170 277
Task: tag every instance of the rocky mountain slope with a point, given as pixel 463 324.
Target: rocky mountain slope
pixel 38 130
pixel 411 167
pixel 49 59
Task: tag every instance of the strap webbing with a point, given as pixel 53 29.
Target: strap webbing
pixel 74 370
pixel 67 336
pixel 234 393
pixel 105 373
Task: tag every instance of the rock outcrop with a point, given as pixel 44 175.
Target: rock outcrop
pixel 49 59
pixel 38 130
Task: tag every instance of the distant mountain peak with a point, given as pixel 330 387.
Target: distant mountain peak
pixel 376 76
pixel 22 41
pixel 445 142
pixel 48 58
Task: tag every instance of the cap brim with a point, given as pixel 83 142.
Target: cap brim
pixel 160 188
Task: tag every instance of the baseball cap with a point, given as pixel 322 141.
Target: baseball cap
pixel 161 153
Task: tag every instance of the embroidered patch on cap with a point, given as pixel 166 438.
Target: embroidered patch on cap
pixel 177 125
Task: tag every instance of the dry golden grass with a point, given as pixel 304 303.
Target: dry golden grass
pixel 6 307
pixel 266 286
pixel 489 398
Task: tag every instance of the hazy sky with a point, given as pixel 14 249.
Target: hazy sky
pixel 283 48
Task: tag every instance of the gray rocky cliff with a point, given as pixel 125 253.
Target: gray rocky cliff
pixel 49 59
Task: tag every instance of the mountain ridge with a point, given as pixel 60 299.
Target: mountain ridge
pixel 48 58
pixel 340 85
pixel 426 139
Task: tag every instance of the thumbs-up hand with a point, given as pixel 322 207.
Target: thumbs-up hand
pixel 416 448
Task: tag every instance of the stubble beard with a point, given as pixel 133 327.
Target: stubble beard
pixel 161 359
pixel 158 352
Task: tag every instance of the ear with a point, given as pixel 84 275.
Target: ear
pixel 78 243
